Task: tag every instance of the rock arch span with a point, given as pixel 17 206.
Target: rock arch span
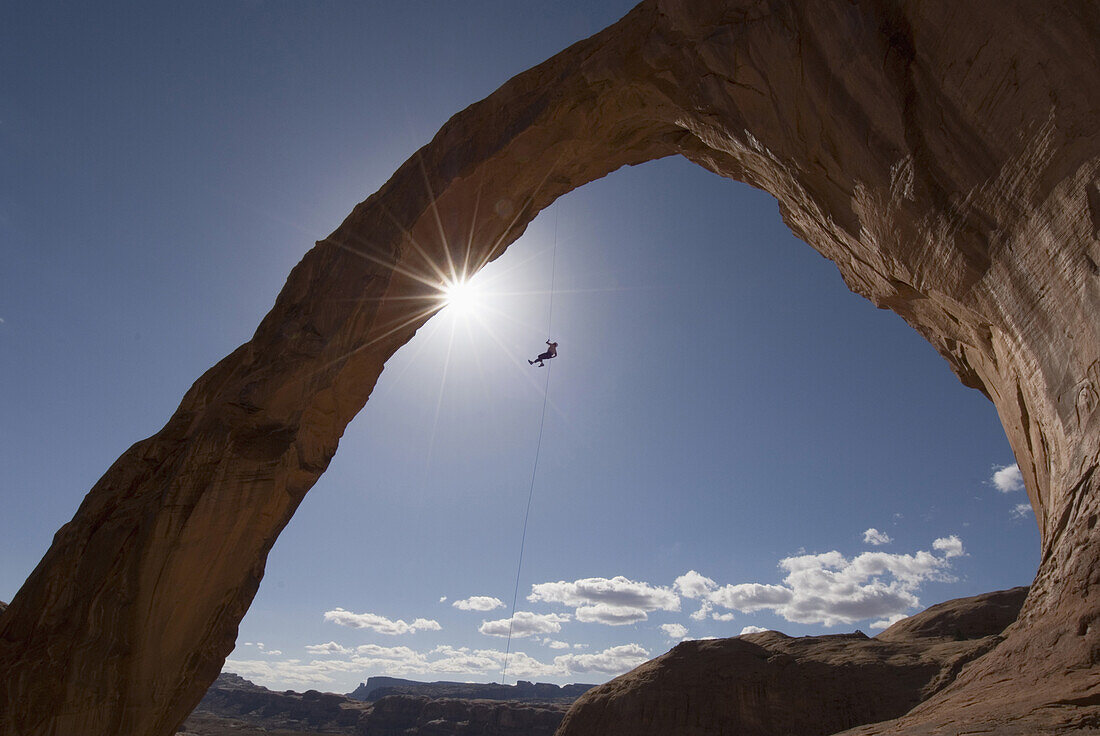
pixel 944 155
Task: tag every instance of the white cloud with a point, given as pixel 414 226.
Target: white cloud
pixel 886 623
pixel 693 585
pixel 404 661
pixel 330 648
pixel 611 661
pixel 950 546
pixel 442 599
pixel 554 643
pixel 285 672
pixel 832 589
pixel 379 624
pixel 465 661
pixel 1008 478
pixel 603 613
pixel 441 661
pixel 752 630
pixel 675 631
pixel 263 649
pixel 745 597
pixel 521 664
pixel 701 614
pixel 1021 510
pixel 749 597
pixel 525 623
pixel 479 603
pixel 722 616
pixel 874 537
pixel 617 592
pixel 282 673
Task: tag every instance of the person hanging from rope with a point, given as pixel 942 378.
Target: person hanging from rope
pixel 551 353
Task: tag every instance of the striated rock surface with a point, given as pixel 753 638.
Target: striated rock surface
pixel 944 155
pixel 411 715
pixel 769 684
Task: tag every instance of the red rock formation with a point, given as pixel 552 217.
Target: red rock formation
pixel 944 155
pixel 769 684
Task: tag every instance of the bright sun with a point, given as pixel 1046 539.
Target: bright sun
pixel 462 297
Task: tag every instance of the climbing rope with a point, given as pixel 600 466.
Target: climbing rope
pixel 538 451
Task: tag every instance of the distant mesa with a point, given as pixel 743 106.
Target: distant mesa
pixel 376 688
pixel 234 705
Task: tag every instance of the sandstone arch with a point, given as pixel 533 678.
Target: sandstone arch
pixel 944 155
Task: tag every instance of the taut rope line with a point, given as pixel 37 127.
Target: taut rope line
pixel 538 451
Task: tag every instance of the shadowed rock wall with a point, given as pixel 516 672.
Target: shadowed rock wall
pixel 944 155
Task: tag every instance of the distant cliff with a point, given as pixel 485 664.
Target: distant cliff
pixel 234 699
pixel 380 707
pixel 376 688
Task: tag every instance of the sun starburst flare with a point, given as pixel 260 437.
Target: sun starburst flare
pixel 463 297
pixel 456 289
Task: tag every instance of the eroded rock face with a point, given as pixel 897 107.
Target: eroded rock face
pixel 769 684
pixel 944 155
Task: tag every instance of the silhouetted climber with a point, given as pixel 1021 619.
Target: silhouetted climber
pixel 551 353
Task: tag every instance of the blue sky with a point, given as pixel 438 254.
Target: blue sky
pixel 726 422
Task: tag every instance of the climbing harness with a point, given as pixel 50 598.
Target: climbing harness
pixel 538 451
